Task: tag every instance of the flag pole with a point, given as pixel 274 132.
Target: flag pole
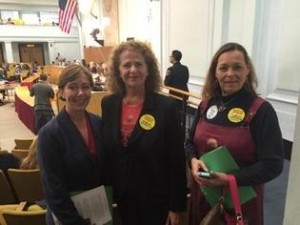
pixel 77 16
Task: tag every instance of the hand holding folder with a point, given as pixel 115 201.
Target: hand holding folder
pixel 220 160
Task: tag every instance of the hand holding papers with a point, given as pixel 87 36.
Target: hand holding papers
pixel 220 160
pixel 92 205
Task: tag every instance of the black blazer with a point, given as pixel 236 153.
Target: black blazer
pixel 178 77
pixel 152 166
pixel 66 164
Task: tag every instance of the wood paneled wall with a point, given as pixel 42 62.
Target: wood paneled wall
pixel 53 73
pixel 97 54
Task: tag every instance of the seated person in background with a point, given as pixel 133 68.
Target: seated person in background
pixel 18 72
pixel 2 75
pixel 30 161
pixel 96 79
pixel 2 81
pixel 59 59
pixel 7 161
pixel 34 67
pixel 83 62
pixel 104 70
pixel 10 21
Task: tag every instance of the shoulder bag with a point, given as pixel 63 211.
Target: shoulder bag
pixel 217 214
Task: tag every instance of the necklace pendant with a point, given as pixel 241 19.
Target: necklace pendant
pixel 221 108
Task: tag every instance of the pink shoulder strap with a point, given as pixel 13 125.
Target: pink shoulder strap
pixel 235 199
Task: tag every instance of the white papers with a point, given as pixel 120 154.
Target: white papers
pixel 92 205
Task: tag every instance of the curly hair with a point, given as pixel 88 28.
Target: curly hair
pixel 210 88
pixel 114 82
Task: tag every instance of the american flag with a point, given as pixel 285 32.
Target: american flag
pixel 66 12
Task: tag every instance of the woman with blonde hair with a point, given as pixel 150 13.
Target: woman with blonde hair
pixel 30 161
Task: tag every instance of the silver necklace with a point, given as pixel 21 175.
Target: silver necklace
pixel 223 105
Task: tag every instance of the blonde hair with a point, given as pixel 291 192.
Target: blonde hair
pixel 31 161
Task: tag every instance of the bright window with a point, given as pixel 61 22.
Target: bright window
pixel 5 15
pixel 30 18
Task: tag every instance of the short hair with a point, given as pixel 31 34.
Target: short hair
pixel 43 77
pixel 177 55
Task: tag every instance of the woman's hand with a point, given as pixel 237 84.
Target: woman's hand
pixel 197 165
pixel 173 218
pixel 217 179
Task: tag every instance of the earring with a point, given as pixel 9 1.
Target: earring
pixel 216 83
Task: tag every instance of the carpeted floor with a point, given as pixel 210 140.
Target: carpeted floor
pixel 275 192
pixel 11 127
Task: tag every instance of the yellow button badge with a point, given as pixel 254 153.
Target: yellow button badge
pixel 236 115
pixel 147 122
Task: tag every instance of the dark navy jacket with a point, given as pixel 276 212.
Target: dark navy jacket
pixel 177 77
pixel 66 164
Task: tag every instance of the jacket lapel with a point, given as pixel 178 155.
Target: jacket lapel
pixel 71 130
pixel 116 124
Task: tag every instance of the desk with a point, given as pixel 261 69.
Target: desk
pixel 30 81
pixel 4 88
pixel 53 73
pixel 24 107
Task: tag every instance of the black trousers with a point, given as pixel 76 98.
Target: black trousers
pixel 134 212
pixel 41 118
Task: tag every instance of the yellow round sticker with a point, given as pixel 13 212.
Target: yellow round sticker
pixel 147 122
pixel 236 115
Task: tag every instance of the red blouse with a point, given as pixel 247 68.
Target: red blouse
pixel 129 117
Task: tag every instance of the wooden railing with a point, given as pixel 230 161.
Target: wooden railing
pixel 193 99
pixel 189 103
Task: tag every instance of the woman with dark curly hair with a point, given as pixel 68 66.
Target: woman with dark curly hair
pixel 143 137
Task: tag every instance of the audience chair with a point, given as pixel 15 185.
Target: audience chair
pixel 8 160
pixel 6 192
pixel 27 184
pixel 23 143
pixel 12 215
pixel 20 153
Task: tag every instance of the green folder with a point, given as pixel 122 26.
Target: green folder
pixel 220 160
